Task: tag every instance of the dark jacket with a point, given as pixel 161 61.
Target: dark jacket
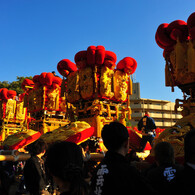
pixel 186 181
pixel 148 126
pixel 34 176
pixel 163 177
pixel 115 176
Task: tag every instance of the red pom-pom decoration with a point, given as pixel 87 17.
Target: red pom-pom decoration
pixel 11 94
pixel 191 21
pixel 128 65
pixel 178 29
pixel 163 37
pixel 91 55
pixel 3 94
pixel 159 43
pixel 49 79
pixel 175 34
pixel 42 78
pixel 100 55
pixel 36 78
pixel 110 59
pixel 57 81
pixel 27 82
pixel 65 66
pixel 81 59
pixel 109 55
pixel 191 25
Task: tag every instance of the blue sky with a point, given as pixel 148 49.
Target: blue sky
pixel 36 34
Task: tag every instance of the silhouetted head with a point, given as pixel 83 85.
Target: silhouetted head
pixel 164 153
pixel 64 162
pixel 37 147
pixel 114 135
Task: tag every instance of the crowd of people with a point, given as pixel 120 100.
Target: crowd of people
pixel 61 168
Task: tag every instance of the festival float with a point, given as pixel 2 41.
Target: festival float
pixel 177 39
pixel 94 91
pixel 13 114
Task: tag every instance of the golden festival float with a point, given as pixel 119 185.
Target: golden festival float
pixel 94 91
pixel 177 39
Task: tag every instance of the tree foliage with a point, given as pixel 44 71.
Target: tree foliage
pixel 15 85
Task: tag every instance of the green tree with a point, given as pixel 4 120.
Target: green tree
pixel 15 85
pixel 4 84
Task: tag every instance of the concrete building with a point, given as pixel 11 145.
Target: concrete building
pixel 161 111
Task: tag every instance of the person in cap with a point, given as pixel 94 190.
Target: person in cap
pixel 147 126
pixel 114 175
pixel 163 176
pixel 54 73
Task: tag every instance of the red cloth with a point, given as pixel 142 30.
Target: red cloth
pixel 77 138
pixel 135 139
pixel 81 136
pixel 26 141
pixel 148 146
